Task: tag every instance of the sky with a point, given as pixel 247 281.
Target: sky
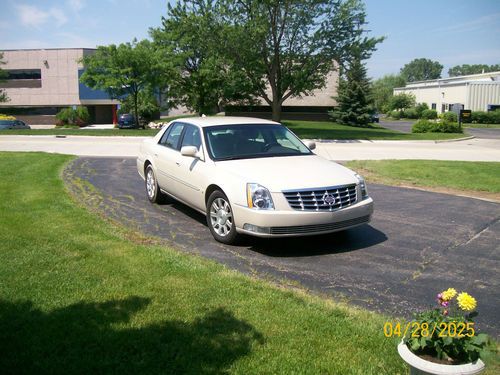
pixel 453 32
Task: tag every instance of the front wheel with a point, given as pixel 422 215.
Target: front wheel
pixel 152 189
pixel 220 218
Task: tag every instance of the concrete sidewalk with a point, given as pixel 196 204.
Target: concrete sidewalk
pixel 467 150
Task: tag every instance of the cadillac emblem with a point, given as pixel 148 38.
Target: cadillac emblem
pixel 329 199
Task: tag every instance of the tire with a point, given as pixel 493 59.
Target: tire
pixel 152 189
pixel 220 218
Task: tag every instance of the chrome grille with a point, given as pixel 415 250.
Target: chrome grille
pixel 322 199
pixel 329 227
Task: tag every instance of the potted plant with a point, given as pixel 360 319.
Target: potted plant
pixel 444 340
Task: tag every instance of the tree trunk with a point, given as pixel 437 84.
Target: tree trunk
pixel 136 111
pixel 276 106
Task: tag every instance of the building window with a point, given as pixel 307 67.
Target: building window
pixel 22 78
pixel 23 74
pixel 433 105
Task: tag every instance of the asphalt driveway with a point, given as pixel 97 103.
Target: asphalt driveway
pixel 417 244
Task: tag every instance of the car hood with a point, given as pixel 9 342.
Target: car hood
pixel 290 172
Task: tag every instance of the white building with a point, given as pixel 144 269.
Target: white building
pixel 42 81
pixel 477 92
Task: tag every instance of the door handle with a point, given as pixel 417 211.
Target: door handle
pixel 178 163
pixel 156 154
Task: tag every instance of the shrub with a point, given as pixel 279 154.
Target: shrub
pixel 6 117
pixel 410 113
pixel 82 116
pixel 429 114
pixel 450 116
pixel 426 126
pixel 423 126
pixel 481 117
pixel 69 116
pixel 395 115
pixel 420 108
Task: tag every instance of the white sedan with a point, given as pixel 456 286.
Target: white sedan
pixel 251 176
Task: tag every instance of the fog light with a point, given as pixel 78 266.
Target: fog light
pixel 256 228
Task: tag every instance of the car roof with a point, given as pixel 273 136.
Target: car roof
pixel 224 120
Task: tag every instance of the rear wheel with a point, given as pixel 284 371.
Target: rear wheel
pixel 152 189
pixel 220 218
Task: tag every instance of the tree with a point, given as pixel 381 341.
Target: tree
pixel 383 88
pixel 465 69
pixel 122 70
pixel 355 104
pixel 202 78
pixel 287 48
pixel 421 70
pixel 401 102
pixel 3 75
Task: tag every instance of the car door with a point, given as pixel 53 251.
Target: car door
pixel 166 156
pixel 191 171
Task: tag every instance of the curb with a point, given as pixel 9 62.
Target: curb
pixel 455 140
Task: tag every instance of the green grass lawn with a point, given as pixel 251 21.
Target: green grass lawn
pixel 457 175
pixel 86 132
pixel 80 295
pixel 330 130
pixel 304 129
pixel 486 126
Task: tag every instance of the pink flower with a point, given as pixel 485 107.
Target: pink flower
pixel 445 312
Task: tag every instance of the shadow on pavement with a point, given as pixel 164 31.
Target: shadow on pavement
pixel 333 243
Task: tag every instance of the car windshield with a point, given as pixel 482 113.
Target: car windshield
pixel 127 117
pixel 230 142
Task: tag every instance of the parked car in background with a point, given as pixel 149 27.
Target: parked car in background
pixel 126 121
pixel 375 118
pixel 13 124
pixel 251 176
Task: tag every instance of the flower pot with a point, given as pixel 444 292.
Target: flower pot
pixel 419 366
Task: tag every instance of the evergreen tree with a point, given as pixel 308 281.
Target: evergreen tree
pixel 355 102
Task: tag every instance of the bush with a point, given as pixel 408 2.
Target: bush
pixel 429 114
pixel 426 126
pixel 410 113
pixel 481 117
pixel 82 116
pixel 69 116
pixel 420 108
pixel 395 115
pixel 450 117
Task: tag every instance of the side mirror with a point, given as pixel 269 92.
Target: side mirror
pixel 311 145
pixel 190 151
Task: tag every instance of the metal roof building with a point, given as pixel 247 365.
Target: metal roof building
pixel 477 92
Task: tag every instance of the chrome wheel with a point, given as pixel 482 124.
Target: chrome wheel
pixel 221 217
pixel 150 184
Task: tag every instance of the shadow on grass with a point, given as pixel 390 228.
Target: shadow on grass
pixel 89 338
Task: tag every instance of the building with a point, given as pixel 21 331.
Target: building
pixel 311 107
pixel 42 81
pixel 477 92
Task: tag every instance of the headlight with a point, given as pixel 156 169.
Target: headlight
pixel 259 197
pixel 362 185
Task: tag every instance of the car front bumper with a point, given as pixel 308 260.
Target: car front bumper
pixel 287 223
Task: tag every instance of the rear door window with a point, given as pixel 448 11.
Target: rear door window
pixel 172 136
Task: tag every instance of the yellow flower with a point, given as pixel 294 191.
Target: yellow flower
pixel 466 301
pixel 449 294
